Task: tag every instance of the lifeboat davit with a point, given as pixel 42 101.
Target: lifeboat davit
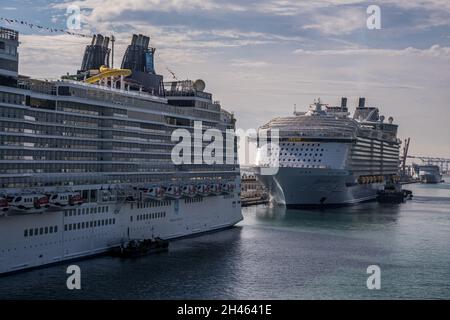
pixel 189 190
pixel 173 192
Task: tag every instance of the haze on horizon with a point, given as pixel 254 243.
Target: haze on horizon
pixel 262 57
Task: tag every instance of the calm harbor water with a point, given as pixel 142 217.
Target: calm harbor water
pixel 279 254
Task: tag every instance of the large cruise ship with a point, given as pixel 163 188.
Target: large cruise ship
pixel 326 158
pixel 85 161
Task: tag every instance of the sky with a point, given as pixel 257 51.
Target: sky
pixel 260 58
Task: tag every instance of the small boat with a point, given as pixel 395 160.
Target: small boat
pixel 155 193
pixel 189 190
pixel 216 188
pixel 138 248
pixel 173 192
pixel 30 201
pixel 63 199
pixel 394 194
pixel 203 189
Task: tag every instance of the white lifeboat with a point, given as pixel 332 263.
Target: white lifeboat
pixel 216 188
pixel 30 201
pixel 189 190
pixel 173 191
pixel 203 189
pixel 225 188
pixel 63 199
pixel 155 192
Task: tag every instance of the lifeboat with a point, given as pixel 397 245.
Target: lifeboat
pixel 173 192
pixel 63 199
pixel 75 199
pixel 225 187
pixel 4 205
pixel 216 188
pixel 203 189
pixel 189 190
pixel 156 193
pixel 30 201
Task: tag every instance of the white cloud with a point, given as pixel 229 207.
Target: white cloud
pixel 246 63
pixel 434 51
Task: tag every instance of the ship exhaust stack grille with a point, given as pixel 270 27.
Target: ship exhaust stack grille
pixel 343 102
pixel 96 54
pixel 139 58
pixel 361 102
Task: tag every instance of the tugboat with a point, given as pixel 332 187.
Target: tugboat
pixel 393 193
pixel 138 248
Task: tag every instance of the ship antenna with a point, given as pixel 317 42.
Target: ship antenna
pixel 113 39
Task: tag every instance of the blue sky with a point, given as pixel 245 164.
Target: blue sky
pixel 259 58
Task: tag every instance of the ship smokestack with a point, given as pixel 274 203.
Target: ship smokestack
pixel 362 102
pixel 139 58
pixel 96 54
pixel 343 102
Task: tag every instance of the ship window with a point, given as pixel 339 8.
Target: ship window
pixel 70 227
pixel 46 230
pixel 55 228
pixel 41 231
pixel 25 233
pixel 65 227
pixel 31 232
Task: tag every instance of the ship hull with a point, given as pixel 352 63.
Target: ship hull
pixel 310 188
pixel 116 222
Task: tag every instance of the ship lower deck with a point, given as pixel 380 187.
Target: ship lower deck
pixel 75 232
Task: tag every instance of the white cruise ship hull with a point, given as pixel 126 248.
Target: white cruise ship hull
pixel 315 187
pixel 114 222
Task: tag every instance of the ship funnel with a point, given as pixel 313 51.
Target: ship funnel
pixel 139 58
pixel 96 54
pixel 361 102
pixel 343 102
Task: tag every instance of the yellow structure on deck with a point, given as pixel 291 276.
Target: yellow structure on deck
pixel 106 72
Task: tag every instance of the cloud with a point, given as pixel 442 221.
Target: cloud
pixel 246 63
pixel 434 51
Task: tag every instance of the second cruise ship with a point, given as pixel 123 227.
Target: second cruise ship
pixel 325 158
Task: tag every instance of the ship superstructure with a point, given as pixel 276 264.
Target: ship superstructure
pixel 324 157
pixel 85 161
